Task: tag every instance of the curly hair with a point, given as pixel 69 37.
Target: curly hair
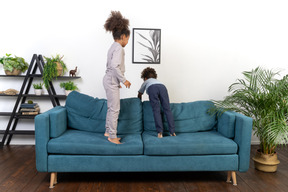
pixel 148 73
pixel 117 24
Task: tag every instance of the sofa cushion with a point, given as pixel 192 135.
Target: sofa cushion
pixel 89 114
pixel 88 143
pixel 199 143
pixel 188 117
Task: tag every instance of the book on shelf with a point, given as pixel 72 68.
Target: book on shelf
pixel 30 106
pixel 30 109
pixel 30 113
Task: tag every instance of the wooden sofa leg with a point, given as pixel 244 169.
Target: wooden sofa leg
pixel 229 177
pixel 234 178
pixel 53 180
pixel 233 175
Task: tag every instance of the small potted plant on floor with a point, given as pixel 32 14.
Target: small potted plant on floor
pixel 69 87
pixel 264 98
pixel 53 67
pixel 13 65
pixel 38 88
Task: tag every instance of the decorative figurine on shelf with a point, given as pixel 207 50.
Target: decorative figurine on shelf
pixel 73 72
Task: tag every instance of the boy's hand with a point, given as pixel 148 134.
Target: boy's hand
pixel 140 95
pixel 127 84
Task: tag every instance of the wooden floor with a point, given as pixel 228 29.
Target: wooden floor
pixel 18 173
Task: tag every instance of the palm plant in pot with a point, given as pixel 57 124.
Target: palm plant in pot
pixel 53 67
pixel 13 65
pixel 264 98
pixel 69 87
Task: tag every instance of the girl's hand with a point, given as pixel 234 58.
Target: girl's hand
pixel 127 84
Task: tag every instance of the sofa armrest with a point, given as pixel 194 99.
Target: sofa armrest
pixel 226 124
pixel 243 131
pixel 43 131
pixel 58 122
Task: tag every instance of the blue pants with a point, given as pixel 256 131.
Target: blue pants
pixel 158 95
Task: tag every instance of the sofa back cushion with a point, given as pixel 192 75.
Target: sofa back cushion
pixel 188 117
pixel 89 114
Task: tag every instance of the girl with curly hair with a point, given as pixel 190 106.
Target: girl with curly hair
pixel 115 69
pixel 158 94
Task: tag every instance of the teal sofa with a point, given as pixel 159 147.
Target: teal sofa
pixel 71 139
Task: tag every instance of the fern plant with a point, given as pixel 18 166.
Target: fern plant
pixel 50 69
pixel 264 98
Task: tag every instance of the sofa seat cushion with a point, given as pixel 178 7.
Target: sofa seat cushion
pixel 89 143
pixel 199 143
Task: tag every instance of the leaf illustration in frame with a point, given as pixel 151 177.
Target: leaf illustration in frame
pixel 146 46
pixel 146 39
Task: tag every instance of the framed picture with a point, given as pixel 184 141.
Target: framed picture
pixel 146 46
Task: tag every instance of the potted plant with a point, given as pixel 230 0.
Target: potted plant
pixel 38 88
pixel 13 65
pixel 264 98
pixel 69 87
pixel 53 67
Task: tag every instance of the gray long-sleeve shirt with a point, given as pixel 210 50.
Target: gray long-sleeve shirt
pixel 116 63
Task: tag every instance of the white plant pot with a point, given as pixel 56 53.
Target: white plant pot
pixel 67 92
pixel 38 91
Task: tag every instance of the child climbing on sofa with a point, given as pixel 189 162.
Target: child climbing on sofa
pixel 158 94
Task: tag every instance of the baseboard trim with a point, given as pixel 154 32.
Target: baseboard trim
pixel 255 142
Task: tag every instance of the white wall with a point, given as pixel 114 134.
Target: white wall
pixel 205 44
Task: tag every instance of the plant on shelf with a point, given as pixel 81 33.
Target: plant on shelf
pixel 54 67
pixel 13 65
pixel 38 88
pixel 264 98
pixel 68 86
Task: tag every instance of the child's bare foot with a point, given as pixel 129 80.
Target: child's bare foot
pixel 173 134
pixel 114 140
pixel 160 135
pixel 107 135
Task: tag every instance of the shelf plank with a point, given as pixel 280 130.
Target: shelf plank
pixel 19 132
pixel 33 95
pixel 12 75
pixel 18 115
pixel 25 116
pixel 5 113
pixel 40 76
pixel 9 95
